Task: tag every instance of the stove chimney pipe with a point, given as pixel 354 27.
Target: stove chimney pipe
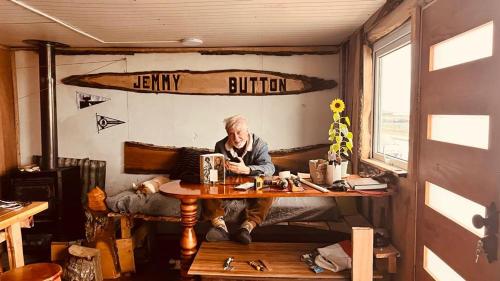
pixel 48 109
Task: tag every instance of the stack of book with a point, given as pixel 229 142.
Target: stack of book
pixel 9 206
pixel 366 184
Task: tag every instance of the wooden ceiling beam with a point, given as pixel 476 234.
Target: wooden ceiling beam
pixel 274 51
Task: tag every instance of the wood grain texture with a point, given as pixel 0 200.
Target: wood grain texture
pixel 82 263
pixel 366 127
pixel 231 82
pixel 11 222
pixel 8 125
pixel 188 242
pixel 125 249
pixel 23 213
pixel 36 271
pixel 224 23
pixel 184 190
pixel 267 51
pixel 297 159
pixel 401 210
pixel 394 13
pixel 126 224
pixel 362 254
pixel 142 158
pixel 475 176
pixel 352 92
pixel 15 245
pixel 284 258
pixel 385 252
pixel 146 217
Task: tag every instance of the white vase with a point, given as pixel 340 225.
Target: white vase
pixel 344 165
pixel 333 173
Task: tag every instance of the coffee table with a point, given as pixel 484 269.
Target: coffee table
pixel 190 193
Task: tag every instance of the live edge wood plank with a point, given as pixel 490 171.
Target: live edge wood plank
pixel 184 190
pixel 284 258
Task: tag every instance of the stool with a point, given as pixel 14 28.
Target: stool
pixel 34 272
pixel 390 253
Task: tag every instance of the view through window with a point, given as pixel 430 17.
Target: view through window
pixel 392 61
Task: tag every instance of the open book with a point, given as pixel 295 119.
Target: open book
pixel 212 168
pixel 365 184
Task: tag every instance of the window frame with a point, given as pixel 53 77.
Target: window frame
pixel 395 40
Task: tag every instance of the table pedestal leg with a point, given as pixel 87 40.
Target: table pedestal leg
pixel 188 240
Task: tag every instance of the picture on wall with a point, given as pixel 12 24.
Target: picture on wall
pixel 104 122
pixel 84 100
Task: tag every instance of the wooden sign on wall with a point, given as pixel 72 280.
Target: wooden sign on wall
pixel 218 82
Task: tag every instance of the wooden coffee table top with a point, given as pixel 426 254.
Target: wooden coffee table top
pixel 183 190
pixel 283 259
pixel 11 217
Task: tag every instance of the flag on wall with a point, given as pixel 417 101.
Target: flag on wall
pixel 84 100
pixel 104 122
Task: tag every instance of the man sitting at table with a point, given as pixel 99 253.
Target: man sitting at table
pixel 249 156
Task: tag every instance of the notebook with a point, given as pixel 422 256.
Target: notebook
pixel 366 184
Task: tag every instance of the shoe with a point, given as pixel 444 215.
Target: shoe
pixel 216 234
pixel 243 236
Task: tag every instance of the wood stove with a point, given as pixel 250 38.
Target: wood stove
pixel 61 187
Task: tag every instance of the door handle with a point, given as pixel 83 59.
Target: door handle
pixel 490 223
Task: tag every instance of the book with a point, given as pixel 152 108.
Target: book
pixel 212 168
pixel 366 184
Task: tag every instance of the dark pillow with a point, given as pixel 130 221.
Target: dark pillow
pixel 188 166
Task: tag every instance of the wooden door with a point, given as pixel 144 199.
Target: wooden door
pixel 459 144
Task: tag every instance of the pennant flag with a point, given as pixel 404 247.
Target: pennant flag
pixel 104 122
pixel 84 100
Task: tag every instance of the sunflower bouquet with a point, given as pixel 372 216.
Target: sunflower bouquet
pixel 339 134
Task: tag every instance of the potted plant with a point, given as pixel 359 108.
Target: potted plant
pixel 341 140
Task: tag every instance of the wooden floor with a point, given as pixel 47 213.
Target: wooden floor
pixel 152 272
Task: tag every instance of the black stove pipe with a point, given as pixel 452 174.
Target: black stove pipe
pixel 48 109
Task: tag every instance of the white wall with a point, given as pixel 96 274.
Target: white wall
pixel 164 119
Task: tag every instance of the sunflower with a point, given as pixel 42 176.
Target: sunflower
pixel 337 105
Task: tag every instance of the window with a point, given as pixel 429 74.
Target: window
pixel 471 45
pixel 392 68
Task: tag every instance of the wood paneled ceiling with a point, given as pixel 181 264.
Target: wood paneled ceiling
pixel 160 23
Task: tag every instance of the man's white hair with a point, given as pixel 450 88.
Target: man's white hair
pixel 232 121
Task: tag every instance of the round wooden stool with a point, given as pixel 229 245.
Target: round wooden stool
pixel 34 272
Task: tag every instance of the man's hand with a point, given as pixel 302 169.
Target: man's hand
pixel 238 168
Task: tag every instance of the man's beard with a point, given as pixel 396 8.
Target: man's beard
pixel 240 145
